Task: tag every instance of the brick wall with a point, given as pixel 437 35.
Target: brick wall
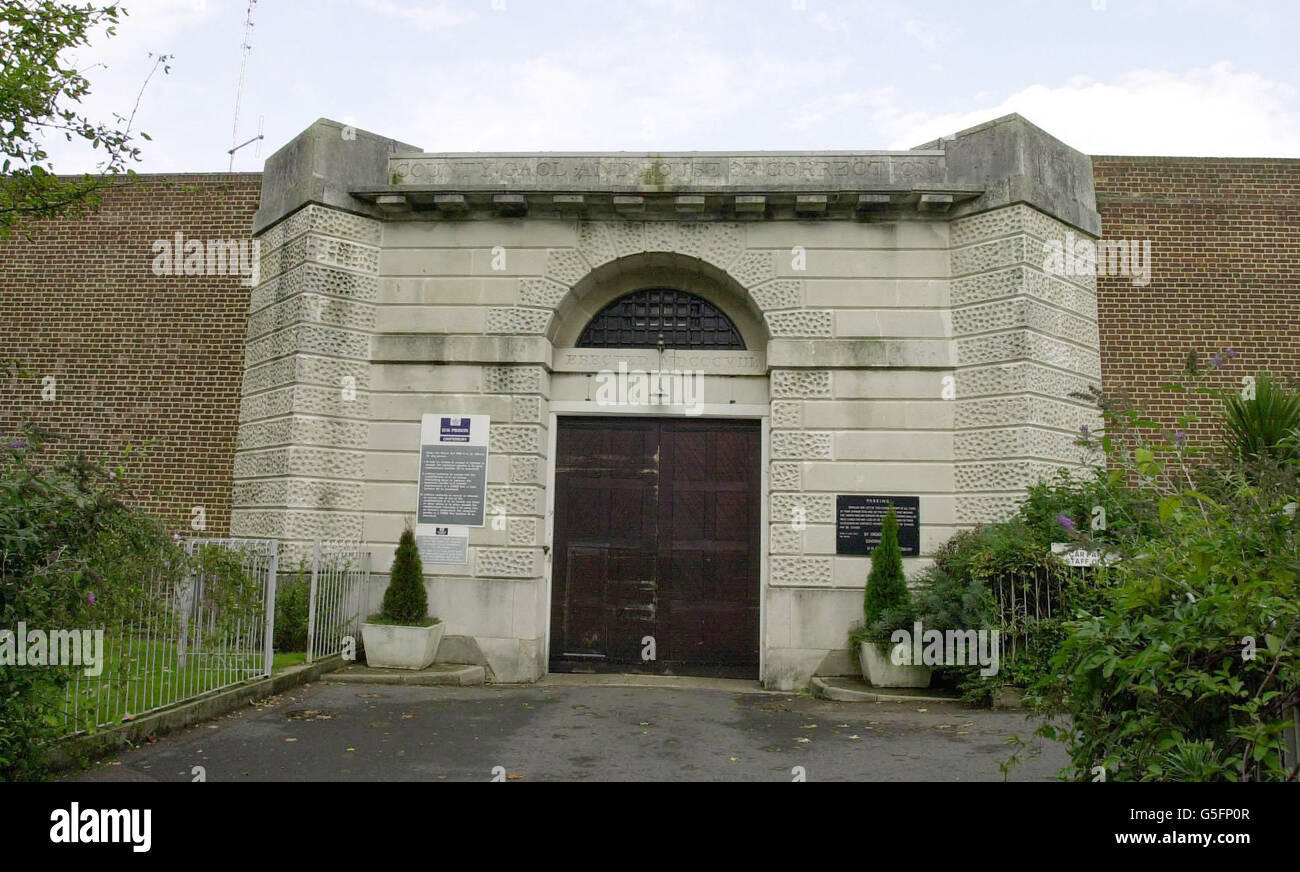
pixel 1225 236
pixel 135 356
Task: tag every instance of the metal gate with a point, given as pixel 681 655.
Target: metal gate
pixel 340 576
pixel 259 559
pixel 185 634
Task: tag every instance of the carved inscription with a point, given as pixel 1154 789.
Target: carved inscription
pixel 714 362
pixel 594 172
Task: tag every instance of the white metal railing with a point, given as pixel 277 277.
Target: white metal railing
pixel 340 576
pixel 182 637
pixel 1023 599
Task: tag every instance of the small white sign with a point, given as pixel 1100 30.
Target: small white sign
pixel 1074 555
pixel 443 545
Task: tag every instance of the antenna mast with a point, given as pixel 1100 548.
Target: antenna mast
pixel 247 46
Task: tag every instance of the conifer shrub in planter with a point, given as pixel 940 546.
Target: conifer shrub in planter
pixel 886 607
pixel 402 635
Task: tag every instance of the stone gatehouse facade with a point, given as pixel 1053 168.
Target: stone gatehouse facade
pixel 157 359
pixel 891 330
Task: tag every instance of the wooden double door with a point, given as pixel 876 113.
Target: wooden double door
pixel 657 525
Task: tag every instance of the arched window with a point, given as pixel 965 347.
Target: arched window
pixel 640 318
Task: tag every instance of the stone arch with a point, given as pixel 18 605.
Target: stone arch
pixel 710 256
pixel 616 278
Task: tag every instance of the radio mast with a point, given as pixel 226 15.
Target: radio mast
pixel 247 46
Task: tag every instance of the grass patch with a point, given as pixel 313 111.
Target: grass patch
pixel 285 659
pixel 141 675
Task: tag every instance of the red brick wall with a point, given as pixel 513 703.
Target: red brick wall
pixel 1225 238
pixel 135 356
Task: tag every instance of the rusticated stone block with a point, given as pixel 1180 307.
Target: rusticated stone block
pixel 811 508
pixel 802 571
pixel 801 444
pixel 801 383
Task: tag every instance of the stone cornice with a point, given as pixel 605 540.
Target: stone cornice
pixel 695 171
pixel 688 185
pixel 442 202
pixel 1006 161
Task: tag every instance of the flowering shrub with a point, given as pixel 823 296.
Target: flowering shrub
pixel 73 554
pixel 1186 669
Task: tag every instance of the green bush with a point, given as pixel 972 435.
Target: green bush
pixel 292 600
pixel 945 599
pixel 971 587
pixel 1167 667
pixel 886 604
pixel 1185 669
pixel 1094 500
pixel 1264 425
pixel 73 555
pixel 405 601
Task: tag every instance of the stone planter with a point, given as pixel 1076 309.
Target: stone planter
pixel 880 671
pixel 399 647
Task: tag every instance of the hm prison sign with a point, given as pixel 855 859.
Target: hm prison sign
pixel 822 171
pixel 453 471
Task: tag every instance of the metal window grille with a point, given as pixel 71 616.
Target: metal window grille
pixel 641 318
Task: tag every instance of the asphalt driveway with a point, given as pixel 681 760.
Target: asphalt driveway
pixel 567 732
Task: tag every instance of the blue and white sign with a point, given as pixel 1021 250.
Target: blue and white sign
pixel 453 429
pixel 453 472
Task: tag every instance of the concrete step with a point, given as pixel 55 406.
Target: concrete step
pixel 457 674
pixel 850 689
pixel 677 682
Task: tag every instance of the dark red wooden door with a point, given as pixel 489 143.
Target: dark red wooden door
pixel 656 535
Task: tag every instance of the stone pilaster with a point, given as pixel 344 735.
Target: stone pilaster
pixel 300 459
pixel 1026 343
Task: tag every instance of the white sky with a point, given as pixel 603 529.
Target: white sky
pixel 1172 78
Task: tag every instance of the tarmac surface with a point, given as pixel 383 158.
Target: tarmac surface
pixel 589 728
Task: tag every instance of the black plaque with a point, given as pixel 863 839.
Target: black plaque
pixel 452 485
pixel 859 520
